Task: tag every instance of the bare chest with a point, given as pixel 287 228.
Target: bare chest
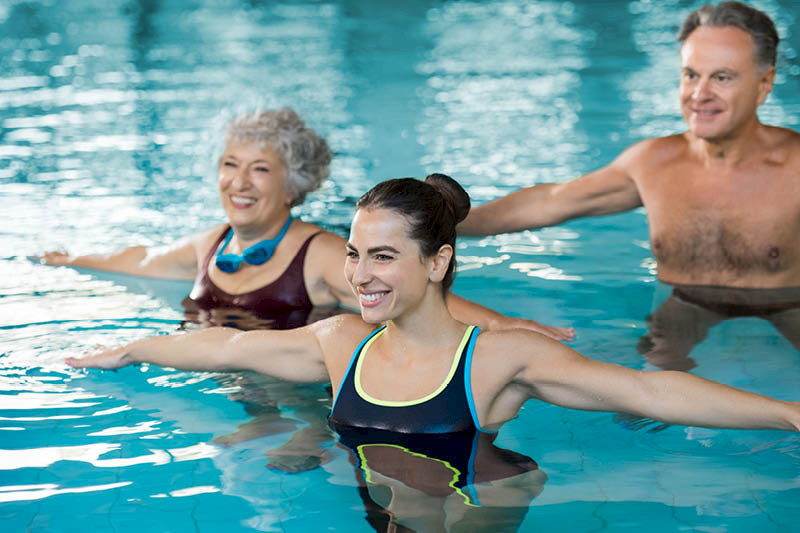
pixel 739 231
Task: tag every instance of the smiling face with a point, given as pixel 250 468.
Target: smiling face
pixel 721 84
pixel 385 268
pixel 252 187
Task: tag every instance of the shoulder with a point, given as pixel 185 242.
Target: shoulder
pixel 655 150
pixel 782 145
pixel 508 338
pixel 322 237
pixel 517 347
pixel 338 336
pixel 205 239
pixel 341 327
pixel 521 356
pixel 325 244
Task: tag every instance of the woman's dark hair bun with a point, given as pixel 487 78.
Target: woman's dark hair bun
pixel 456 198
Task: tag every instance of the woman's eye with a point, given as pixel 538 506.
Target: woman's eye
pixel 262 169
pixel 229 164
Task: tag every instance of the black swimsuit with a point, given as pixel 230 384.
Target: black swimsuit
pixel 433 444
pixel 449 409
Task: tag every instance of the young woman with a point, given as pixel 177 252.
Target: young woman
pixel 391 368
pixel 419 395
pixel 262 260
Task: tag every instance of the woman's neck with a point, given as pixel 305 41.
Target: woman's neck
pixel 428 324
pixel 246 236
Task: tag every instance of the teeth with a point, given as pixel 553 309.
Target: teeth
pixel 242 200
pixel 371 297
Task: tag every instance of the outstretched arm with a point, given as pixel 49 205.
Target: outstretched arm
pixel 475 314
pixel 568 379
pixel 177 261
pixel 293 355
pixel 602 192
pixel 328 258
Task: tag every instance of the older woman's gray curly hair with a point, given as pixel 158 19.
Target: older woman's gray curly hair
pixel 305 154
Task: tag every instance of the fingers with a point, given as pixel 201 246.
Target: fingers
pixel 54 257
pixel 564 334
pixel 75 362
pixel 555 333
pixel 102 357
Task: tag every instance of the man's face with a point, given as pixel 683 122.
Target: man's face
pixel 721 85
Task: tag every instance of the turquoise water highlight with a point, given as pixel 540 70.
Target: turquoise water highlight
pixel 106 109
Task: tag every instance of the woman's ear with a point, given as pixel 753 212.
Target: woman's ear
pixel 439 263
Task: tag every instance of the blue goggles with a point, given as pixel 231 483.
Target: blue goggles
pixel 258 254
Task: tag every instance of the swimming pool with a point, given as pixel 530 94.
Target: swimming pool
pixel 104 109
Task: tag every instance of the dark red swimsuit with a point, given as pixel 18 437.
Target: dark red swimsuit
pixel 284 300
pixel 285 293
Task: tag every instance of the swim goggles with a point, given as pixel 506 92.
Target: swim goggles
pixel 258 254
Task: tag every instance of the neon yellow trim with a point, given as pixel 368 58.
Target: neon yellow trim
pixel 390 403
pixel 451 484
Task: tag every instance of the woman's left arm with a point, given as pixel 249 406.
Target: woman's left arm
pixel 475 314
pixel 563 377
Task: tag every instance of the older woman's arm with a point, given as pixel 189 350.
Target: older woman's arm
pixel 174 261
pixel 329 253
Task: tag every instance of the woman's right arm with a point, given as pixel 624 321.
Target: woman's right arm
pixel 176 261
pixel 294 355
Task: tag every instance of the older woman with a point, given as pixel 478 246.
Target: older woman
pixel 264 260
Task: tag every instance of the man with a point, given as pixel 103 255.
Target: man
pixel 722 199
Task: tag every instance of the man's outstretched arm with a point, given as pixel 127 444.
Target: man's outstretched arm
pixel 602 192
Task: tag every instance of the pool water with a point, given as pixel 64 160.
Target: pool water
pixel 106 110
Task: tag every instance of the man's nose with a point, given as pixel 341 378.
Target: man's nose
pixel 702 90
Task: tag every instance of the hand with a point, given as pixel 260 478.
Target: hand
pixel 106 358
pixel 554 332
pixel 58 257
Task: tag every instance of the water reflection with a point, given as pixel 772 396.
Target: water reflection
pixel 444 482
pixel 684 319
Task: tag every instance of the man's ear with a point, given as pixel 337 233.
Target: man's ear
pixel 765 84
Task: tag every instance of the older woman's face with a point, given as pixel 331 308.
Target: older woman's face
pixel 252 184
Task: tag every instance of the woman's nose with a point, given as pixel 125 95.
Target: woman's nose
pixel 361 273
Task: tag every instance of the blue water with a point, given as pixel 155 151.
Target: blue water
pixel 107 114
